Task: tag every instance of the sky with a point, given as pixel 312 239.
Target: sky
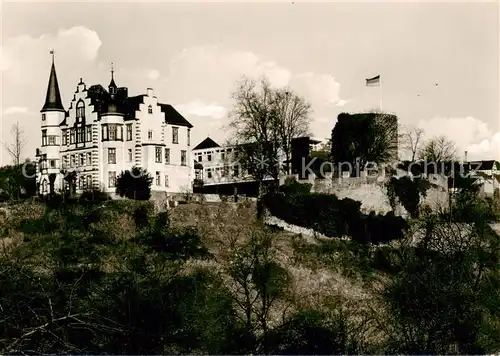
pixel 438 62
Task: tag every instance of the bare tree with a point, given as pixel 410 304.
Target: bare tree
pixel 411 139
pixel 291 120
pixel 439 149
pixel 15 148
pixel 265 120
pixel 255 136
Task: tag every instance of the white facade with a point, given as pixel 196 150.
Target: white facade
pixel 105 132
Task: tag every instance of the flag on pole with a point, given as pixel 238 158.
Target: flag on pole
pixel 373 82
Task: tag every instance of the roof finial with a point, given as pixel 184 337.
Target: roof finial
pixel 112 70
pixel 52 53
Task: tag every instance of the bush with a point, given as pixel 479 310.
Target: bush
pixel 134 184
pixel 94 195
pixel 334 217
pixel 408 191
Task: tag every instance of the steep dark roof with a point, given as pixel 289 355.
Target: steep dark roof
pixel 483 165
pixel 173 117
pixel 53 100
pixel 132 104
pixel 98 96
pixel 206 143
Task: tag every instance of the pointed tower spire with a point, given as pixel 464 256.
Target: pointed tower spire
pixel 53 100
pixel 112 83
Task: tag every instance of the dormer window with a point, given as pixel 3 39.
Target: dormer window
pixel 80 110
pixel 150 109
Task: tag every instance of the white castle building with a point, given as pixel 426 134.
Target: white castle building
pixel 104 132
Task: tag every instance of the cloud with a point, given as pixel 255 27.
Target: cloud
pixel 200 108
pixel 15 110
pixel 153 74
pixel 72 46
pixel 342 102
pixel 212 72
pixel 468 133
pixel 25 65
pixel 319 89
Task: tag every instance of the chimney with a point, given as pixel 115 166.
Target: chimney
pixel 465 156
pixel 150 91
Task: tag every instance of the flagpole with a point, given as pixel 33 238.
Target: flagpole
pixel 380 90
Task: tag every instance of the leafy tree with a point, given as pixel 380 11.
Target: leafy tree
pixel 361 138
pixel 408 191
pixel 18 181
pixel 134 184
pixel 441 300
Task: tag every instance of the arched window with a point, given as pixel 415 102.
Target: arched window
pixel 150 109
pixel 80 110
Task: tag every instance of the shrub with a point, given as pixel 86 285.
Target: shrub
pixel 408 192
pixel 94 195
pixel 134 184
pixel 334 217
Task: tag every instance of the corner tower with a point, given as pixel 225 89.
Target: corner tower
pixel 52 115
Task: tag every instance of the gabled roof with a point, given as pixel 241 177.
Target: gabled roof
pixel 206 143
pixel 53 100
pixel 173 117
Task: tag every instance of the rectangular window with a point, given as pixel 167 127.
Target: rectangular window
pixel 225 171
pixel 44 137
pixel 89 158
pixel 167 155
pixel 200 157
pixel 82 134
pixel 64 137
pixel 166 181
pixel 52 163
pixel 112 155
pixel 158 155
pixel 112 132
pixel 209 173
pixel 64 161
pixel 158 178
pixel 111 179
pixel 209 157
pixel 82 160
pixel 89 133
pixel 104 132
pixel 89 182
pixel 150 135
pixel 52 140
pixel 81 182
pixel 222 156
pixel 175 135
pixel 129 132
pixel 72 162
pixel 130 155
pixel 189 137
pixel 236 171
pixel 72 136
pixel 119 133
pixel 183 157
pixel 43 117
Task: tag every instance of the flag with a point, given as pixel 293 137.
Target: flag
pixel 373 82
